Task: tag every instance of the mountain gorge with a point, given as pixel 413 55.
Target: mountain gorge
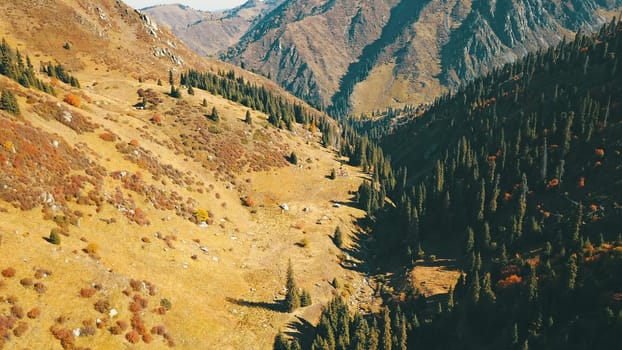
pixel 151 197
pixel 209 33
pixel 517 177
pixel 356 56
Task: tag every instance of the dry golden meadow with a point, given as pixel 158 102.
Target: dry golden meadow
pixel 125 190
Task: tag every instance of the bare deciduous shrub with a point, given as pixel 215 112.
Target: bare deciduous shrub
pixel 21 328
pixel 102 306
pixel 26 282
pixel 40 288
pixel 17 311
pixel 40 273
pixel 115 330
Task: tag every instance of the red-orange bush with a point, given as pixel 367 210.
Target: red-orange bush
pixel 159 330
pixel 138 324
pixel 147 338
pixel 511 280
pixel 599 152
pixel 133 337
pixel 135 307
pixel 72 99
pixel 581 183
pixel 122 324
pixel 553 183
pixel 8 272
pixel 108 136
pixel 34 313
pixel 87 292
pixel 248 201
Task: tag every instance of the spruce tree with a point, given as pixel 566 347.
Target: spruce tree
pixel 571 272
pixel 280 342
pixel 338 237
pixel 8 102
pixel 305 298
pixel 575 232
pixel 514 334
pixel 361 333
pixel 533 286
pixel 293 158
pixel 292 298
pixel 175 93
pixel 474 288
pixel 215 116
pixel 248 119
pixel 487 294
pixel 470 241
pixel 385 336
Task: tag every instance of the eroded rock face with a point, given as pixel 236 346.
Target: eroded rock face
pixel 358 55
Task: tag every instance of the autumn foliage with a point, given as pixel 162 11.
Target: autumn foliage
pixel 599 152
pixel 509 281
pixel 248 201
pixel 72 99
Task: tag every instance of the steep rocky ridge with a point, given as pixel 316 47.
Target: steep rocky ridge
pixel 361 55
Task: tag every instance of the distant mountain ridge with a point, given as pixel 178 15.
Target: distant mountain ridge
pixel 208 33
pixel 356 56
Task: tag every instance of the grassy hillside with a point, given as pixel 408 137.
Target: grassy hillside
pixel 132 218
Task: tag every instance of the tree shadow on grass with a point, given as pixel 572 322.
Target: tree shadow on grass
pixel 278 306
pixel 301 330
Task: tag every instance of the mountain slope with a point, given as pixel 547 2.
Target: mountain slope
pixel 131 218
pixel 210 33
pixel 343 54
pixel 516 178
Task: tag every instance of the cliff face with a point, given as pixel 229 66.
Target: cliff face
pixel 361 55
pixel 307 45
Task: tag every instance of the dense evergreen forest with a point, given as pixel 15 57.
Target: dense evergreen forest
pixel 19 68
pixel 281 113
pixel 518 176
